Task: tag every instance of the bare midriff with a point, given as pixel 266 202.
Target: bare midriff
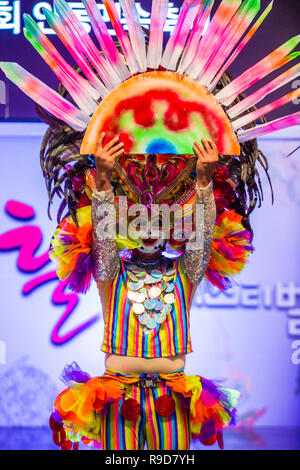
pixel 142 365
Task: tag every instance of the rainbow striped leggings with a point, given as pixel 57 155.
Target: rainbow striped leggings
pixel 119 431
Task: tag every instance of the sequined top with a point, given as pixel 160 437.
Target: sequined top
pixel 147 311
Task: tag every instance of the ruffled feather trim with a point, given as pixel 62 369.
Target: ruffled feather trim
pixel 71 250
pixel 230 249
pixel 77 409
pixel 212 407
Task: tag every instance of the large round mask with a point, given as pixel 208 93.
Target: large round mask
pixel 160 112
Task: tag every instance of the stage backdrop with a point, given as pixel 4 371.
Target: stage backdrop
pixel 280 25
pixel 251 334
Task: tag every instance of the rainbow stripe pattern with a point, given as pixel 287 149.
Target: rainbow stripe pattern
pixel 90 408
pixel 202 55
pixel 159 433
pixel 123 333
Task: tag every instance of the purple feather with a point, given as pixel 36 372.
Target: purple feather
pixel 80 279
pixel 73 373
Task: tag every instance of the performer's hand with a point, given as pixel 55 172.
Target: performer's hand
pixel 104 159
pixel 208 158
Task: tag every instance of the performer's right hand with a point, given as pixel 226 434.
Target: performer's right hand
pixel 104 159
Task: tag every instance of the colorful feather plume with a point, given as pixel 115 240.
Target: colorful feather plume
pixel 281 56
pixel 105 40
pixel 198 27
pixel 135 32
pixel 229 39
pixel 230 248
pixel 64 35
pixel 211 39
pixel 272 126
pixel 123 39
pixel 259 95
pixel 241 46
pixel 45 96
pixel 179 35
pixel 159 14
pixel 80 89
pixel 71 250
pixel 85 45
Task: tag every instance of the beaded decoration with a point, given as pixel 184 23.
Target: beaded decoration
pixel 151 294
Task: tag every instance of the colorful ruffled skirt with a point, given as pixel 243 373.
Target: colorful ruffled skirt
pixel 164 408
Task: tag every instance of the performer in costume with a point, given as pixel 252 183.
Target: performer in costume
pixel 159 121
pixel 158 342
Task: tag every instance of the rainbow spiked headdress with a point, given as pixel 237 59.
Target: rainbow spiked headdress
pixel 171 94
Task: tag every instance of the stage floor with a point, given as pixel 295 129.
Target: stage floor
pixel 258 438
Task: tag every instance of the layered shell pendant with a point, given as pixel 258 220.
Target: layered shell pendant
pixel 151 294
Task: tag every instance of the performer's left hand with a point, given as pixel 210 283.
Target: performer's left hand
pixel 208 158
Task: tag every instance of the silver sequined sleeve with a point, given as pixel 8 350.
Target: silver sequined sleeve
pixel 197 254
pixel 106 259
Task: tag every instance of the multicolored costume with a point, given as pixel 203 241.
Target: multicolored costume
pixel 158 102
pixel 165 410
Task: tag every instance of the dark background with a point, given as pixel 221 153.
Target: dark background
pixel 281 24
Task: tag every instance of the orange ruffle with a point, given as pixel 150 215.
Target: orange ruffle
pixel 207 409
pixel 79 405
